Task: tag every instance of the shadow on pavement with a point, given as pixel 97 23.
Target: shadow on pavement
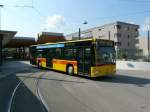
pixel 7 85
pixel 52 79
pixel 25 100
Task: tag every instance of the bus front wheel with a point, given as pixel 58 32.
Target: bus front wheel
pixel 70 70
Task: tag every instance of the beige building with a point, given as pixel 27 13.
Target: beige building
pixel 125 35
pixel 143 44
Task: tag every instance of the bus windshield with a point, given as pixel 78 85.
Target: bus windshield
pixel 105 55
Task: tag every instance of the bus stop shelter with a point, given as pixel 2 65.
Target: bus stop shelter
pixel 5 37
pixel 19 47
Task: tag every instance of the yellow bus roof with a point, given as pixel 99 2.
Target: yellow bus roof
pixel 71 41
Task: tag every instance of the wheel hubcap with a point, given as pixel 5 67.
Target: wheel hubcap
pixel 70 70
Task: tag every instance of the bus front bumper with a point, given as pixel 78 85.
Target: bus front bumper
pixel 103 70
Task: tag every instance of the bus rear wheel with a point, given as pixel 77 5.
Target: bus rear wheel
pixel 70 70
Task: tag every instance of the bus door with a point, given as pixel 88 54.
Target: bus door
pixel 84 61
pixel 49 58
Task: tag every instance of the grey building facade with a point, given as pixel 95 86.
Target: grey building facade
pixel 125 36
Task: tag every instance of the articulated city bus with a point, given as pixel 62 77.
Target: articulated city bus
pixel 88 57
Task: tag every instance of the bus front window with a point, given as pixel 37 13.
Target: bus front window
pixel 105 55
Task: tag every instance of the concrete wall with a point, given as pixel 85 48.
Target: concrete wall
pixel 130 65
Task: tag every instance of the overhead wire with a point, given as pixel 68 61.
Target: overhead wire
pixel 28 6
pixel 32 6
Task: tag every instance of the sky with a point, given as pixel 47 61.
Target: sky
pixel 66 16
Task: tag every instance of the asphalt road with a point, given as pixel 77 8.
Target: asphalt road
pixel 45 90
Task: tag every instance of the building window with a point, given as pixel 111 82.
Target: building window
pixel 100 29
pixel 128 36
pixel 101 36
pixel 114 36
pixel 127 28
pixel 128 44
pixel 136 29
pixel 117 35
pixel 118 43
pixel 135 36
pixel 118 26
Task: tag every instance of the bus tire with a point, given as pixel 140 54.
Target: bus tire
pixel 70 70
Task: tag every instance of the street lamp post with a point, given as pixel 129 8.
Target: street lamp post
pixel 85 22
pixel 1 6
pixel 148 47
pixel 1 39
pixel 79 33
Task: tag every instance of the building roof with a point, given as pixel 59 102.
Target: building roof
pixel 17 42
pixel 51 34
pixel 46 37
pixel 7 36
pixel 112 23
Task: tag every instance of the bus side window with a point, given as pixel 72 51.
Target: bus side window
pixel 39 53
pixel 50 52
pixel 44 53
pixel 39 56
pixel 67 53
pixel 70 54
pixel 87 54
pixel 74 54
pixel 58 53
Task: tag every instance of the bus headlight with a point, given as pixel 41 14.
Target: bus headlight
pixel 96 71
pixel 114 69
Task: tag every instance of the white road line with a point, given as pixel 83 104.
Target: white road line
pixel 40 96
pixel 13 94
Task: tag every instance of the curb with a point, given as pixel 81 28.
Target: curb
pixel 133 70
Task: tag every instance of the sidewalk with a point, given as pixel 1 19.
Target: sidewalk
pixel 132 65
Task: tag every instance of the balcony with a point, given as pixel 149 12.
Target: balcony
pixel 137 40
pixel 136 34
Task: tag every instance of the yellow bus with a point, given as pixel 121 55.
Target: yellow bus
pixel 87 57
